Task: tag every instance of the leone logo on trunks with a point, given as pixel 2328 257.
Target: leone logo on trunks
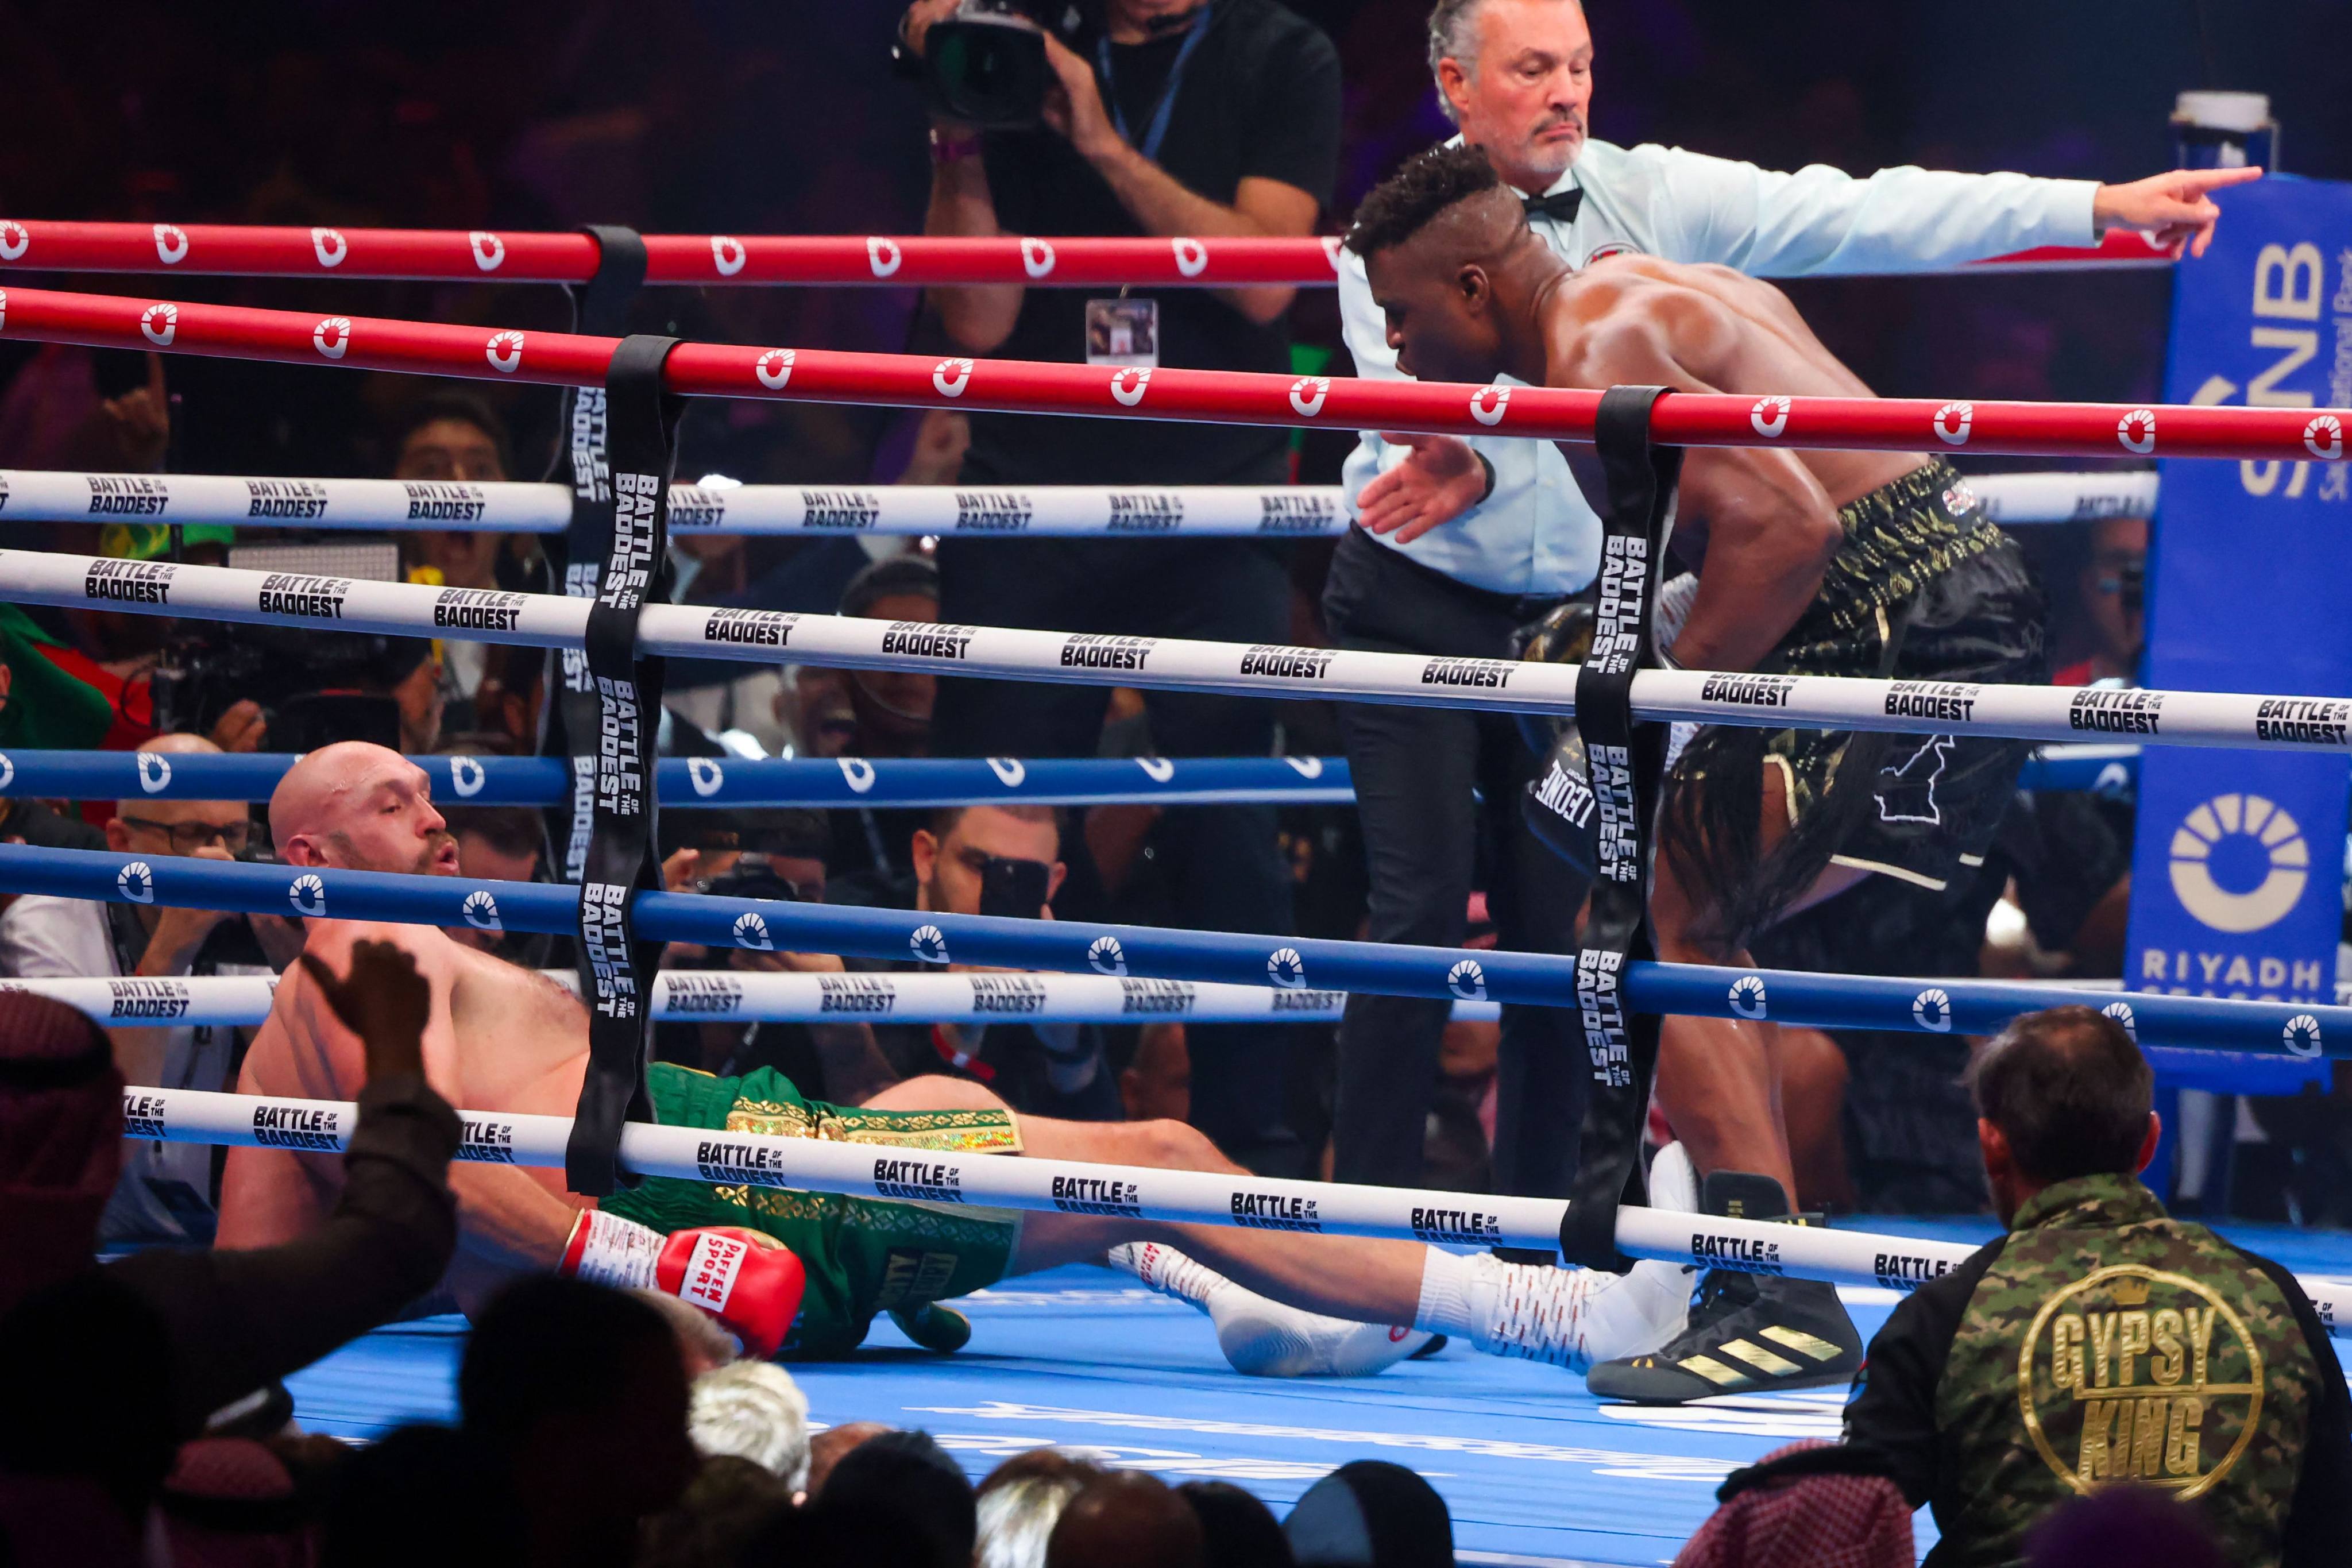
pixel 1746 996
pixel 1107 956
pixel 1286 969
pixel 1932 1010
pixel 1467 980
pixel 481 911
pixel 1906 790
pixel 136 882
pixel 929 944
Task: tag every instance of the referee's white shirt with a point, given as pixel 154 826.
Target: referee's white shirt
pixel 1535 534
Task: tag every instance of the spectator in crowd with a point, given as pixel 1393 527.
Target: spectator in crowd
pixel 751 1410
pixel 1127 1519
pixel 874 715
pixel 729 1501
pixel 104 1371
pixel 577 1396
pixel 907 1477
pixel 421 1494
pixel 42 706
pixel 1020 1502
pixel 1465 541
pixel 1998 1391
pixel 703 1344
pixel 453 436
pixel 993 859
pixel 835 1443
pixel 1237 1531
pixel 501 844
pixel 1371 1514
pixel 167 1191
pixel 2128 1521
pixel 1803 1505
pixel 1163 117
pixel 2111 590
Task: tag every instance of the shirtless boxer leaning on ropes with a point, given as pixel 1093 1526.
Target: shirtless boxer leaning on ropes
pixel 1808 562
pixel 504 1039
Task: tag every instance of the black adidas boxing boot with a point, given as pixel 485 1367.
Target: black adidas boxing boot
pixel 1748 1333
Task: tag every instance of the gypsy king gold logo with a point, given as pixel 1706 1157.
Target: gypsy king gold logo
pixel 2131 1373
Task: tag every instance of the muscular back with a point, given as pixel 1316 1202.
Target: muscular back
pixel 1636 319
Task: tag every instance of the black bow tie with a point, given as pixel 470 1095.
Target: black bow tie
pixel 1560 206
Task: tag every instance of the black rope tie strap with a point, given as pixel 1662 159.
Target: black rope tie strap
pixel 616 969
pixel 1626 760
pixel 583 460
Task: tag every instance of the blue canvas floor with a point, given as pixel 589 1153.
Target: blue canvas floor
pixel 1533 1469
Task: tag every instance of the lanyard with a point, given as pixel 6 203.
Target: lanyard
pixel 1158 132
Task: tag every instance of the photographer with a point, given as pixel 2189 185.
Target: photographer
pixel 1157 117
pixel 167 1192
pixel 1001 860
pixel 295 689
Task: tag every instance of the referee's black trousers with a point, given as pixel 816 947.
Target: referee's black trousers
pixel 1415 770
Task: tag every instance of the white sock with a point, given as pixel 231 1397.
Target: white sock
pixel 1262 1337
pixel 1574 1318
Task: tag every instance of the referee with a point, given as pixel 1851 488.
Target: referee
pixel 1464 541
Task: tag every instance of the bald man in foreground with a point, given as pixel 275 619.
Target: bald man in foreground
pixel 1871 564
pixel 504 1039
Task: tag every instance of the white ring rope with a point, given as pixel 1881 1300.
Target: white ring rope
pixel 770 636
pixel 1065 1186
pixel 726 995
pixel 1063 510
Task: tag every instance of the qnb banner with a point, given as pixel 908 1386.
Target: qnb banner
pixel 2238 878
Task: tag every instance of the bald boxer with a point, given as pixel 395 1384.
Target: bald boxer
pixel 504 1039
pixel 1808 562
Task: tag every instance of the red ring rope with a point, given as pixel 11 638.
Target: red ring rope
pixel 719 258
pixel 718 370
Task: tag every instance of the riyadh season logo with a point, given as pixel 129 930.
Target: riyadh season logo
pixel 1192 256
pixel 1159 770
pixel 481 911
pixel 308 895
pixel 749 930
pixel 333 336
pixel 1467 980
pixel 2136 431
pixel 171 244
pixel 1286 969
pixel 728 255
pixel 9 769
pixel 1487 403
pixel 330 246
pixel 857 772
pixel 1932 1010
pixel 2324 437
pixel 505 353
pixel 136 882
pixel 951 376
pixel 883 256
pixel 929 944
pixel 1127 384
pixel 15 241
pixel 2301 1036
pixel 468 776
pixel 2121 1011
pixel 1107 956
pixel 775 368
pixel 1769 416
pixel 159 324
pixel 706 775
pixel 1331 250
pixel 1305 767
pixel 488 249
pixel 154 772
pixel 1010 770
pixel 1036 257
pixel 1308 392
pixel 1953 422
pixel 1746 996
pixel 2248 838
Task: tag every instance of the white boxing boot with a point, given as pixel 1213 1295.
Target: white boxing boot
pixel 1263 1338
pixel 1575 1318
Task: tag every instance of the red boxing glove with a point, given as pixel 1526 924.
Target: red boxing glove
pixel 749 1281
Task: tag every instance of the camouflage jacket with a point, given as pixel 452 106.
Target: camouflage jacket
pixel 2101 1340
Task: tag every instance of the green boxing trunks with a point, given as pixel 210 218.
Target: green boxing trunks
pixel 862 1255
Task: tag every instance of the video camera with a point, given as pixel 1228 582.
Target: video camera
pixel 984 66
pixel 313 690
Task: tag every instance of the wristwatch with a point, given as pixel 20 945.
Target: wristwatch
pixel 1484 462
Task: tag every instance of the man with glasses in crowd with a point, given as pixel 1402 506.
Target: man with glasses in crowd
pixel 167 1191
